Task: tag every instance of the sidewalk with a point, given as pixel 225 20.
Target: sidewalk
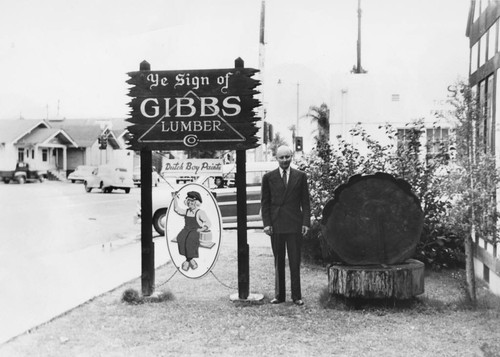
pixel 48 288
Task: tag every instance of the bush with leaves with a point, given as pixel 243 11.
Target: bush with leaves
pixel 439 247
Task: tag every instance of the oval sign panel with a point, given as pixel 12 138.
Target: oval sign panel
pixel 193 230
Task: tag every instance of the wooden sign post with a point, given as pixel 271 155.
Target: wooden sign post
pixel 209 109
pixel 241 213
pixel 147 244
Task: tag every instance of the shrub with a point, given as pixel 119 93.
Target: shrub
pixel 439 246
pixel 132 296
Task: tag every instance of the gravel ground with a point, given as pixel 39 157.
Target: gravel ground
pixel 196 317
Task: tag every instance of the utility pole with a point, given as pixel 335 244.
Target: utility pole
pixel 262 47
pixel 358 69
pixel 298 91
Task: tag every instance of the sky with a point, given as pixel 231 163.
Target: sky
pixel 70 58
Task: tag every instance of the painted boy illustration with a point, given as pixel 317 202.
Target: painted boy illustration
pixel 195 222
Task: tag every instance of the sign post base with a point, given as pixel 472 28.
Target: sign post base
pixel 251 298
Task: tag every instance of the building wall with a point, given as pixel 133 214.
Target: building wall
pixel 484 71
pixel 487 265
pixel 8 157
pixel 76 156
pixel 376 100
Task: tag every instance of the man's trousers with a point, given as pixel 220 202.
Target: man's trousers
pixel 281 243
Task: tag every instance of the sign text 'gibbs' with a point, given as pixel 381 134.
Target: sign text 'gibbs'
pixel 206 109
pixel 186 107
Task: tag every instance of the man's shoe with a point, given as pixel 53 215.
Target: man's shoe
pixel 298 302
pixel 193 264
pixel 185 266
pixel 277 301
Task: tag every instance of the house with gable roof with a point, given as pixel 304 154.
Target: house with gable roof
pixel 86 133
pixel 59 146
pixel 33 142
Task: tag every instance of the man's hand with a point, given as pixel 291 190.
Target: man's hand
pixel 268 230
pixel 305 230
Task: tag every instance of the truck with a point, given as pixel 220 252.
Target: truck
pixel 22 174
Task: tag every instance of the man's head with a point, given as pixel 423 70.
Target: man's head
pixel 284 156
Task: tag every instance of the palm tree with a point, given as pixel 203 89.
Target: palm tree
pixel 321 115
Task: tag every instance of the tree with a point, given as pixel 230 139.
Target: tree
pixel 321 116
pixel 276 143
pixel 474 180
pixel 202 154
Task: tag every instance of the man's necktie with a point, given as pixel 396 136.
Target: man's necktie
pixel 285 181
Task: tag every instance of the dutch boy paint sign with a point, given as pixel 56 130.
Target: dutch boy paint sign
pixel 191 167
pixel 193 230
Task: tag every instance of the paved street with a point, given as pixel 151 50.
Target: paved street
pixel 60 247
pixel 61 217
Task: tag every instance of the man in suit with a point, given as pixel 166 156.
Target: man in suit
pixel 286 213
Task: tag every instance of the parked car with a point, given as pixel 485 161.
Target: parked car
pixel 109 178
pixel 81 173
pixel 185 179
pixel 136 176
pixel 225 195
pixel 23 173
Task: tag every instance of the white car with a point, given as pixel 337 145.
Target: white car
pixel 81 173
pixel 155 177
pixel 225 196
pixel 109 178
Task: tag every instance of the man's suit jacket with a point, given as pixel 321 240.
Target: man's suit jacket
pixel 286 210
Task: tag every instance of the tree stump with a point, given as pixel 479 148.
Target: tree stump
pixel 372 225
pixel 399 281
pixel 373 219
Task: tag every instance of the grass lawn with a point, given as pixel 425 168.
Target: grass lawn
pixel 196 317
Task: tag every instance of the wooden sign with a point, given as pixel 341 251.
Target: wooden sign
pixel 209 109
pixel 193 239
pixel 193 109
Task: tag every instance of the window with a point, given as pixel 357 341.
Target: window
pixel 438 141
pixel 474 53
pixel 495 37
pixel 481 95
pixel 45 155
pixel 492 36
pixel 20 155
pixel 486 274
pixel 485 126
pixel 404 137
pixel 482 50
pixel 477 10
pixel 489 112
